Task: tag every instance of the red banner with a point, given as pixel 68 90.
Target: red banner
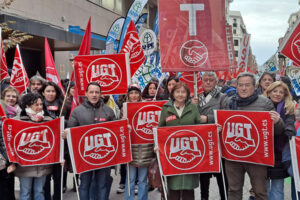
pixel 19 78
pixel 231 55
pixel 188 149
pixel 99 145
pixel 244 51
pixel 2 113
pixel 291 44
pixel 194 36
pixel 246 136
pixel 188 78
pixel 295 155
pixel 34 143
pixel 3 66
pixel 110 71
pixel 51 72
pixel 143 117
pixel 132 45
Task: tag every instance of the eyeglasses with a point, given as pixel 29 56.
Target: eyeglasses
pixel 247 85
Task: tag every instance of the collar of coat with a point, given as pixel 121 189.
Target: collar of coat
pixel 88 104
pixel 171 108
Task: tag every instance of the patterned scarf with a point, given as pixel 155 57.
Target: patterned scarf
pixel 36 117
pixel 203 100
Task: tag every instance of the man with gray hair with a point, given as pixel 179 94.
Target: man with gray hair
pixel 247 99
pixel 36 83
pixel 207 102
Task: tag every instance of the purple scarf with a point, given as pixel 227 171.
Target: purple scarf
pixel 280 109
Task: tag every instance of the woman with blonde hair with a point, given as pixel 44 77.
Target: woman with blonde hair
pixel 278 92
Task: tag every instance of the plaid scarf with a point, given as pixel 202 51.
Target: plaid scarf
pixel 203 100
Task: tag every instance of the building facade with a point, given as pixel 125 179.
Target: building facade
pixel 55 20
pixel 235 19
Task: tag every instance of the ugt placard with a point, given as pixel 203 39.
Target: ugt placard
pixel 194 35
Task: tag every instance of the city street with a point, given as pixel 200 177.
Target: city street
pixel 155 195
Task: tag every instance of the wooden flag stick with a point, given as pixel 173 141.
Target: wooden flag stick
pixel 65 99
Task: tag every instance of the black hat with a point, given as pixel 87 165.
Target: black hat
pixel 134 87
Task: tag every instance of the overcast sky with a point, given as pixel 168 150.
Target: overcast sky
pixel 266 21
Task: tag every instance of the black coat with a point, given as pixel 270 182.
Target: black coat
pixel 280 140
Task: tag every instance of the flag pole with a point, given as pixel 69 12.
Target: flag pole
pixel 21 61
pixel 223 179
pixel 67 91
pixel 76 185
pixel 159 82
pixel 128 179
pixel 61 182
pixel 65 98
pixel 159 166
pixel 195 84
pixel 2 49
pixel 294 164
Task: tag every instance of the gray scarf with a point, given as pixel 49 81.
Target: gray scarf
pixel 203 100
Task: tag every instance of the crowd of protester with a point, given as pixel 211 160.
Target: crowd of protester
pixel 43 101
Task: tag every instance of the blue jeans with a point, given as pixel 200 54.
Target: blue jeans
pixel 35 184
pixel 142 183
pixel 100 179
pixel 275 188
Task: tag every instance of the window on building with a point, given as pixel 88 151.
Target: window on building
pixel 109 4
pixel 236 54
pixel 113 5
pixel 234 31
pixel 236 42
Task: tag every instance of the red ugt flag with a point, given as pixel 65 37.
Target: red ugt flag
pixel 188 149
pixel 51 72
pixel 295 155
pixel 246 136
pixel 132 45
pixel 291 44
pixel 84 49
pixel 34 143
pixel 194 37
pixel 3 66
pixel 188 78
pixel 99 145
pixel 19 79
pixel 143 117
pixel 110 71
pixel 2 113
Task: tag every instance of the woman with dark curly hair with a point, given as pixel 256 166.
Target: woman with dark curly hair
pixel 32 178
pixel 149 91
